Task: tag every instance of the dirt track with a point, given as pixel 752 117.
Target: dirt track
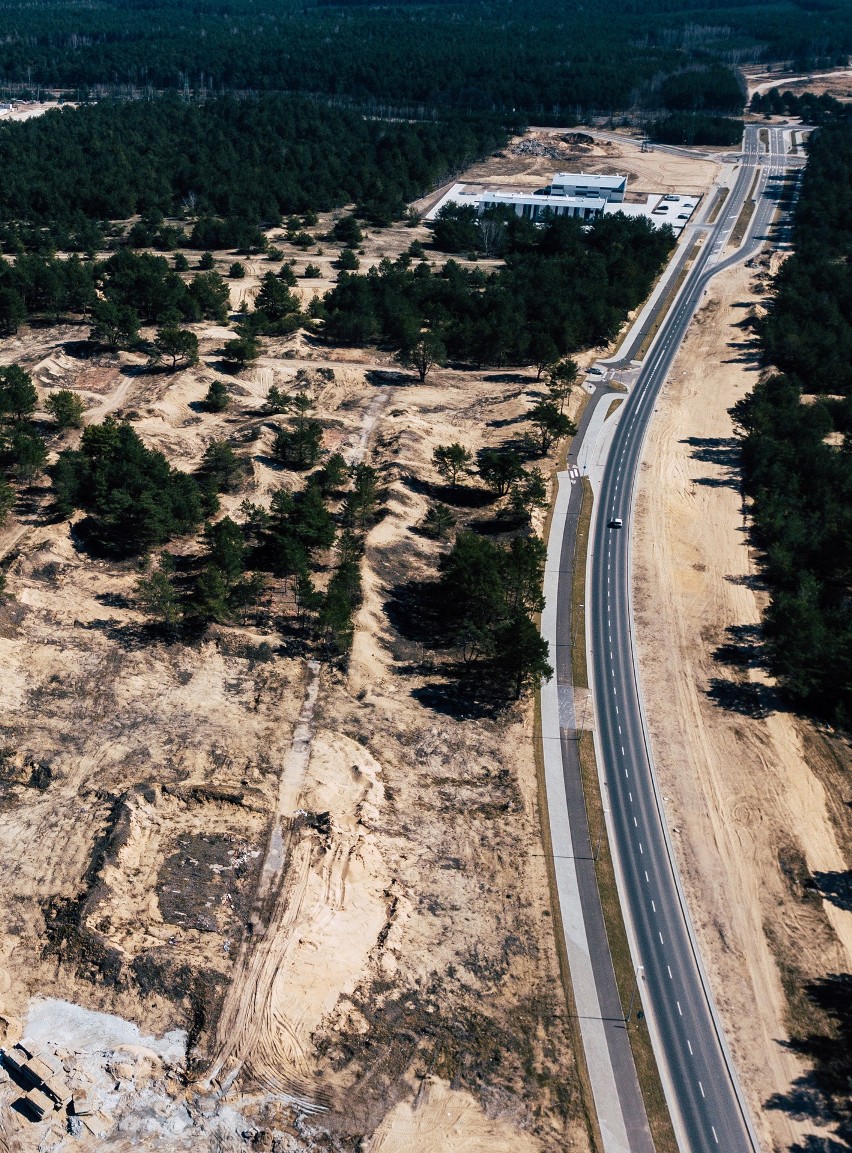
pixel 400 975
pixel 401 929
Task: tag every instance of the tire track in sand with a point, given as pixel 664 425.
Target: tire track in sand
pixel 253 1034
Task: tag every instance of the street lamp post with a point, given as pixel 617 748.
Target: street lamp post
pixel 640 969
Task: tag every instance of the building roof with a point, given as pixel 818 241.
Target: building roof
pixel 588 180
pixel 495 196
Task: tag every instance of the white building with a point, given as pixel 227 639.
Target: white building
pixel 539 206
pixel 575 194
pixel 586 184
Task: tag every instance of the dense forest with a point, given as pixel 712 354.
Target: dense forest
pixel 247 161
pixel 797 442
pixel 547 59
pixel 564 286
pixel 696 128
pixel 808 106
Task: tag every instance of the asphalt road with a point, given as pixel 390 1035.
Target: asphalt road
pixel 707 1106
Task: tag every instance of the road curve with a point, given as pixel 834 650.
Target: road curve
pixel 707 1105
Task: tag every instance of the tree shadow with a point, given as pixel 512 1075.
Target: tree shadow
pixel 452 699
pixel 80 349
pixel 835 887
pixel 749 352
pixel 509 421
pixel 743 697
pixel 747 581
pixel 85 539
pixel 509 378
pixel 414 609
pixel 114 600
pixel 723 451
pixel 802 1102
pixel 269 461
pixel 822 1095
pixel 136 370
pixel 743 647
pixel 130 636
pixel 462 496
pixel 814 1144
pixel 382 377
pixel 499 525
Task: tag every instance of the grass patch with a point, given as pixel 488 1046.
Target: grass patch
pixel 764 137
pixel 667 303
pixel 659 1120
pixel 560 464
pixel 643 1055
pixel 579 672
pixel 586 1097
pixel 721 197
pixel 744 218
pixel 646 1066
pixel 613 405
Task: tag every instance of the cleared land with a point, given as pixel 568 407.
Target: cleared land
pixel 837 84
pixel 400 984
pixel 529 161
pixel 756 798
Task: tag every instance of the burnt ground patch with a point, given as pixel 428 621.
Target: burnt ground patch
pixel 207 882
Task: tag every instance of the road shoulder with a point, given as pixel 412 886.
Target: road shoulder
pixel 741 798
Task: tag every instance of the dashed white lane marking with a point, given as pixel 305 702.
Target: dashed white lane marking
pixel 647 878
pixel 641 850
pixel 701 1087
pixel 653 906
pixel 689 1047
pixel 671 978
pixel 635 822
pixel 622 751
pixel 630 795
pixel 679 1008
pixel 713 1131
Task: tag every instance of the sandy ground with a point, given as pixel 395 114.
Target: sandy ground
pixel 28 110
pixel 399 985
pixel 334 884
pixel 753 795
pixel 837 83
pixel 557 150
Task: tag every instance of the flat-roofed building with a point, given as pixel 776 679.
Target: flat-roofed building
pixel 588 184
pixel 539 206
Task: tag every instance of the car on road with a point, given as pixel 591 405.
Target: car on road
pixel 616 522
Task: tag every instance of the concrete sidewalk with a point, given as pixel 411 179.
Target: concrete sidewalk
pixel 609 1058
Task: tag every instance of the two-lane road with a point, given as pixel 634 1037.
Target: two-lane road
pixel 706 1103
